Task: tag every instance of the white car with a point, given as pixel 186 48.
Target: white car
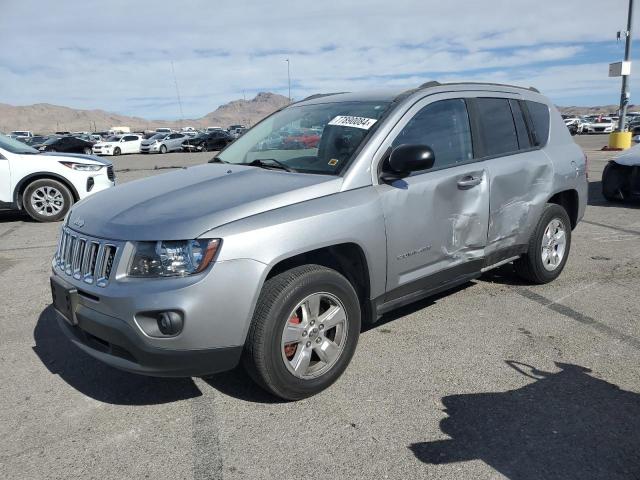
pixel 600 125
pixel 21 134
pixel 118 144
pixel 46 185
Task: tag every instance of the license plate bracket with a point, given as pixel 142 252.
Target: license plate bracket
pixel 65 301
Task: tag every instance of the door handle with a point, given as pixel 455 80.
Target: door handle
pixel 468 181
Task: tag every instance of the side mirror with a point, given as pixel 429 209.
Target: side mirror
pixel 405 159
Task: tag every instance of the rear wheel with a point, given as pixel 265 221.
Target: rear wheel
pixel 47 200
pixel 304 332
pixel 613 179
pixel 548 248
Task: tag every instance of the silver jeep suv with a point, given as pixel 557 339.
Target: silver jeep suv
pixel 274 253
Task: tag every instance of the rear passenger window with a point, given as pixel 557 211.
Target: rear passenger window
pixel 521 125
pixel 539 113
pixel 498 130
pixel 443 126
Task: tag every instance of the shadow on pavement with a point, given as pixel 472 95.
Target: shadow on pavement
pixel 7 216
pixel 565 425
pixel 97 380
pixel 237 384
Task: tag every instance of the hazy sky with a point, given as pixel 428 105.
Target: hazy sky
pixel 116 55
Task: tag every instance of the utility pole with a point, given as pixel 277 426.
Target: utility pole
pixel 289 78
pixel 175 80
pixel 624 95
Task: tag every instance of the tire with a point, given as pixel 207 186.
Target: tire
pixel 87 151
pixel 532 266
pixel 613 178
pixel 35 196
pixel 270 362
pixel 52 150
pixel 163 149
pixel 117 151
pixel 205 148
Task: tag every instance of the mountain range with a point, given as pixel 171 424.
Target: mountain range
pixel 47 118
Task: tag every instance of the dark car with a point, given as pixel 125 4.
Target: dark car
pixel 66 145
pixel 207 142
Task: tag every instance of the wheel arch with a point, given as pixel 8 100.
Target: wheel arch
pixel 570 201
pixel 348 259
pixel 24 183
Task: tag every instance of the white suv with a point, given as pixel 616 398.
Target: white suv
pixel 118 144
pixel 45 185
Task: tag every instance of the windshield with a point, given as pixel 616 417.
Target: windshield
pixel 51 140
pixel 319 138
pixel 158 136
pixel 113 138
pixel 15 146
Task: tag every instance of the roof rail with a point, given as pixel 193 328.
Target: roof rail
pixel 434 83
pixel 320 95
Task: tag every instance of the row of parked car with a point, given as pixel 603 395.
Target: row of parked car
pixel 600 123
pixel 163 140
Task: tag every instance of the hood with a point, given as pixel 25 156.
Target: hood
pixel 106 144
pixel 184 204
pixel 77 157
pixel 629 158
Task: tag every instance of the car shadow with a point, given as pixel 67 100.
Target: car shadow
pixel 564 425
pixel 97 380
pixel 7 216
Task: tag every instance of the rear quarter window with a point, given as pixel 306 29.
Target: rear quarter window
pixel 539 113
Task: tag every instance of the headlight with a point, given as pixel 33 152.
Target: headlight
pixel 83 167
pixel 172 258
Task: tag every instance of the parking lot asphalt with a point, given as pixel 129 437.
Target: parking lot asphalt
pixel 497 379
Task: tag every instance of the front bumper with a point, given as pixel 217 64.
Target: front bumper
pixel 115 343
pixel 217 307
pixel 153 148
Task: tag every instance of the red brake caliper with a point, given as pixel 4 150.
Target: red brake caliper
pixel 290 349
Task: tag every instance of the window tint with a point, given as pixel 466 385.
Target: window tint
pixel 521 125
pixel 498 130
pixel 539 113
pixel 130 138
pixel 443 126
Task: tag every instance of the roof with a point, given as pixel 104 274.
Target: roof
pixel 389 95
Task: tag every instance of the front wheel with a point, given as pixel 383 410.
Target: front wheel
pixel 548 248
pixel 87 151
pixel 163 149
pixel 304 332
pixel 47 200
pixel 117 151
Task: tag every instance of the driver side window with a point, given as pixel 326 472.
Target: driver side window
pixel 443 126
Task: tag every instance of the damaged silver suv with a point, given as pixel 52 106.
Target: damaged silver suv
pixel 327 214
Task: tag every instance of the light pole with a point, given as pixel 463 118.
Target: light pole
pixel 624 95
pixel 289 78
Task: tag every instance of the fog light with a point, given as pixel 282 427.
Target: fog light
pixel 169 323
pixel 90 183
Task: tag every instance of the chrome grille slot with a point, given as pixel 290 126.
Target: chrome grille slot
pixel 78 258
pixel 87 259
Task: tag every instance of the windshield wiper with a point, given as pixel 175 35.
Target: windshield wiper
pixel 260 162
pixel 216 160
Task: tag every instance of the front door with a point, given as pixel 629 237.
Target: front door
pixel 436 219
pixel 5 180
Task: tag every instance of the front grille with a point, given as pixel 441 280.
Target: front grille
pixel 88 259
pixel 110 175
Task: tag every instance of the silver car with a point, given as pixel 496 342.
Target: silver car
pixel 163 143
pixel 276 258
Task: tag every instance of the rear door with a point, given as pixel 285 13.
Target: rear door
pixel 436 219
pixel 520 174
